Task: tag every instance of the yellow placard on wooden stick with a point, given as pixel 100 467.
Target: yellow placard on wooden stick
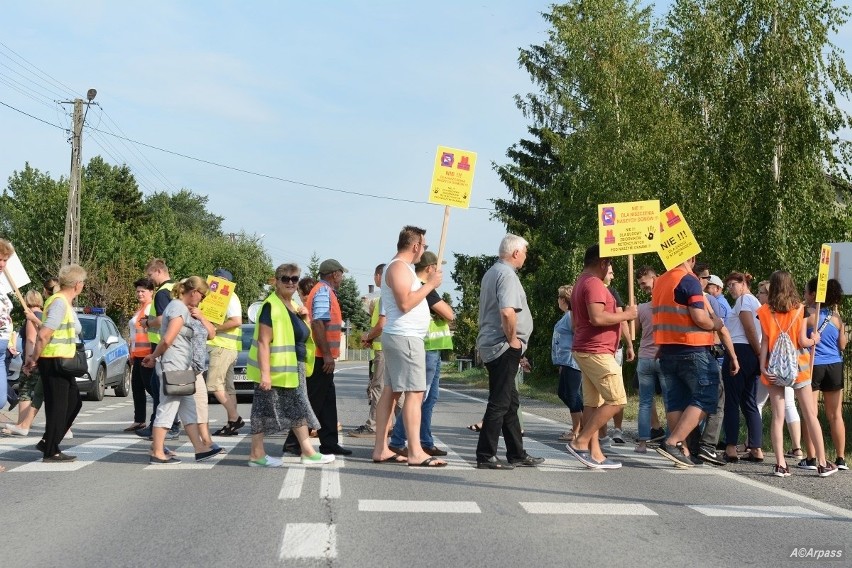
pixel 677 243
pixel 452 178
pixel 628 228
pixel 822 276
pixel 215 304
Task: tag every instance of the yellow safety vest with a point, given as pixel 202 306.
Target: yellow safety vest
pixel 63 341
pixel 283 364
pixel 231 339
pixel 439 336
pixel 154 332
pixel 374 321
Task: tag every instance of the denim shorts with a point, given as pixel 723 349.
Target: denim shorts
pixel 691 379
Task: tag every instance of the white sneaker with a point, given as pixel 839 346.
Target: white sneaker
pixel 317 459
pixel 605 442
pixel 12 429
pixel 266 461
pixel 617 436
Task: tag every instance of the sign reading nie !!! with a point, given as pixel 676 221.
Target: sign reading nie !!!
pixel 452 178
pixel 628 228
pixel 677 243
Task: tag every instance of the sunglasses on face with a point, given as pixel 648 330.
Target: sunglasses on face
pixel 290 279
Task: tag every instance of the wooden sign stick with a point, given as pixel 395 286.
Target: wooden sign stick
pixel 443 235
pixel 631 296
pixel 17 292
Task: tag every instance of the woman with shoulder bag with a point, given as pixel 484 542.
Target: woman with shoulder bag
pixel 55 353
pixel 175 361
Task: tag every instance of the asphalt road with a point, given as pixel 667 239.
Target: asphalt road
pixel 110 509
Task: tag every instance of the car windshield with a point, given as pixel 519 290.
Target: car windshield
pixel 90 328
pixel 248 335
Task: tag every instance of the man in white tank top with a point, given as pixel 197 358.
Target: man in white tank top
pixel 406 325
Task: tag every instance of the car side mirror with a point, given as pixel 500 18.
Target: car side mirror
pixel 111 340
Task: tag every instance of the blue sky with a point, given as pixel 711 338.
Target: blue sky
pixel 350 95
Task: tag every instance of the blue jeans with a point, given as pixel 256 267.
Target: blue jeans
pixel 690 379
pixel 648 373
pixel 430 398
pixel 570 388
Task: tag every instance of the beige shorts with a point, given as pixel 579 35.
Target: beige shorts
pixel 200 396
pixel 220 375
pixel 603 382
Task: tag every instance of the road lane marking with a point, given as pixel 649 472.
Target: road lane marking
pixel 10 444
pixel 308 540
pixel 756 511
pixel 632 509
pixel 87 454
pixel 454 460
pixel 330 479
pixel 293 481
pixel 399 506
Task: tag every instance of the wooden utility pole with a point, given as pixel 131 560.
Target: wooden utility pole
pixel 71 241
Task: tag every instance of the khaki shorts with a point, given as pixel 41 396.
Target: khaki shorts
pixel 200 396
pixel 603 382
pixel 220 375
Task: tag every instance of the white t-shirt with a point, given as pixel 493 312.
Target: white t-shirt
pixel 745 303
pixel 235 308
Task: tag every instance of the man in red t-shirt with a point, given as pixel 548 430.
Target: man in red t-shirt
pixel 597 325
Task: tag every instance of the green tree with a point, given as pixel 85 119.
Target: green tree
pixel 313 266
pixel 467 274
pixel 352 306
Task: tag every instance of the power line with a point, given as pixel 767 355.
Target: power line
pixel 31 116
pixel 274 177
pixel 245 171
pixel 56 82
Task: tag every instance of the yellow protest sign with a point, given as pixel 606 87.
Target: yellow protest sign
pixel 452 179
pixel 628 228
pixel 215 305
pixel 677 243
pixel 822 276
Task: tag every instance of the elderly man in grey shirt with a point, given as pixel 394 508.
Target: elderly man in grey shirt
pixel 505 325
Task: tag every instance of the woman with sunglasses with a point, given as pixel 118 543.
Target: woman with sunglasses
pixel 174 352
pixel 277 362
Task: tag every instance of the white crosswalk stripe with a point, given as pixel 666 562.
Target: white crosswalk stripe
pixel 293 481
pixel 620 509
pixel 756 511
pixel 87 454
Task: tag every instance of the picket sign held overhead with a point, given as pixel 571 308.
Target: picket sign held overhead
pixel 13 277
pixel 452 183
pixel 677 243
pixel 628 228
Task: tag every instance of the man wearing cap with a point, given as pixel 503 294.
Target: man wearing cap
pixel 438 338
pixel 715 288
pixel 326 329
pixel 223 351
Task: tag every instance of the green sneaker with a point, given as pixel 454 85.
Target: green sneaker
pixel 266 461
pixel 317 459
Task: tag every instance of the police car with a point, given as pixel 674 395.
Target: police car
pixel 108 355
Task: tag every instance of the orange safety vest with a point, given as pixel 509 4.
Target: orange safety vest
pixel 672 322
pixel 333 327
pixel 141 343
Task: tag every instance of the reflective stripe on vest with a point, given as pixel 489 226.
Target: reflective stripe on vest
pixel 283 364
pixel 673 324
pixel 332 327
pixel 230 339
pixel 439 336
pixel 141 343
pixel 154 332
pixel 63 341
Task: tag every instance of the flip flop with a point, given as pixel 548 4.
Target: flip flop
pixel 392 459
pixel 475 428
pixel 428 463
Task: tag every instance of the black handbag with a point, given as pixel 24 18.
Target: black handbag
pixel 179 383
pixel 75 366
